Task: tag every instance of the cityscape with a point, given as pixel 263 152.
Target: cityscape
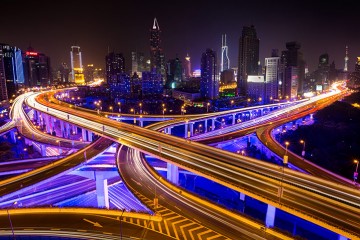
pixel 186 120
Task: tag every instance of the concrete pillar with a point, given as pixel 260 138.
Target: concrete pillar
pixel 342 237
pixel 74 129
pixel 43 150
pixel 233 119
pixel 90 136
pixel 172 173
pixel 191 129
pixel 206 126
pixel 169 130
pixel 12 136
pixel 213 124
pixel 242 196
pixel 67 130
pixel 102 193
pixel 51 123
pixel 62 128
pixel 186 130
pixel 35 117
pixel 47 123
pixel 141 123
pixel 84 135
pixel 270 216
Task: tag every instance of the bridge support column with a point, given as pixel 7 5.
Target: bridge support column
pixel 342 237
pixel 205 126
pixel 35 116
pixel 172 173
pixel 43 150
pixel 270 216
pixel 233 119
pixel 84 137
pixel 67 130
pixel 102 193
pixel 74 129
pixel 90 136
pixel 191 129
pixel 169 130
pixel 213 124
pixel 242 196
pixel 62 128
pixel 51 124
pixel 141 123
pixel 186 130
pixel 12 136
pixel 47 123
pixel 311 116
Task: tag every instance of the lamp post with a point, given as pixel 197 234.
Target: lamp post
pixel 207 107
pixel 140 105
pixel 286 157
pixel 121 223
pixel 164 109
pixel 111 108
pixel 119 106
pixel 232 103
pixel 356 170
pixel 303 151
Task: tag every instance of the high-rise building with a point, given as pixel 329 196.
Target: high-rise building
pixel 292 57
pixel 225 61
pixel 3 89
pixel 89 73
pixel 152 83
pixel 157 58
pixel 137 63
pixel 291 81
pixel 174 73
pixel 13 66
pixel 248 57
pixel 77 71
pixel 120 86
pixel 209 84
pixel 64 73
pixel 188 72
pixel 36 68
pixel 115 65
pixel 346 59
pixel 256 87
pixel 272 78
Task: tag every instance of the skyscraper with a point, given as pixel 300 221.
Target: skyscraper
pixel 248 57
pixel 36 68
pixel 157 58
pixel 225 61
pixel 272 77
pixel 209 83
pixel 152 83
pixel 188 72
pixel 3 89
pixel 77 74
pixel 115 65
pixel 346 59
pixel 174 73
pixel 137 63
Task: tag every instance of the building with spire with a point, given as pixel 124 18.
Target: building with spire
pixel 77 71
pixel 157 58
pixel 225 61
pixel 248 58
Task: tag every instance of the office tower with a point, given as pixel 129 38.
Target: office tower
pixel 137 63
pixel 136 86
pixel 256 87
pixel 272 78
pixel 209 83
pixel 152 83
pixel 120 86
pixel 174 73
pixel 64 73
pixel 291 81
pixel 3 89
pixel 227 76
pixel 36 68
pixel 248 57
pixel 13 67
pixel 225 61
pixel 292 57
pixel 115 65
pixel 77 71
pixel 89 73
pixel 157 58
pixel 188 72
pixel 346 59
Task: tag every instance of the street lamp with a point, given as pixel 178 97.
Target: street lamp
pixel 232 102
pixel 286 157
pixel 207 107
pixel 164 109
pixel 303 151
pixel 356 170
pixel 140 105
pixel 111 108
pixel 119 105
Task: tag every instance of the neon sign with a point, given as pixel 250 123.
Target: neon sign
pixel 32 53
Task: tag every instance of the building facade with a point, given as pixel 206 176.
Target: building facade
pixel 174 72
pixel 209 83
pixel 272 78
pixel 187 66
pixel 115 65
pixel 36 68
pixel 157 58
pixel 225 61
pixel 3 88
pixel 152 83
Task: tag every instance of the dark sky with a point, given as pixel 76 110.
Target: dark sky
pixel 187 26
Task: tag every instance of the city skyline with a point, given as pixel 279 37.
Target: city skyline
pixel 319 28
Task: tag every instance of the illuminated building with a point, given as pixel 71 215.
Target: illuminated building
pixel 3 89
pixel 137 63
pixel 152 83
pixel 209 83
pixel 197 73
pixel 89 73
pixel 227 76
pixel 77 74
pixel 187 64
pixel 291 81
pixel 157 58
pixel 36 68
pixel 225 61
pixel 272 77
pixel 346 59
pixel 256 87
pixel 292 57
pixel 115 65
pixel 173 73
pixel 248 57
pixel 120 86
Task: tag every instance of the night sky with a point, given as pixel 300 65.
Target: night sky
pixel 187 26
